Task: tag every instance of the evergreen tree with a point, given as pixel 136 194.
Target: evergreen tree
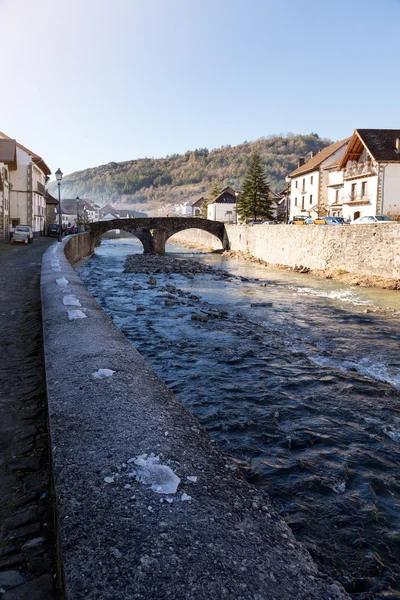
pixel 214 191
pixel 255 202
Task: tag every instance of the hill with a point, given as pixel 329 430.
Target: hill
pixel 150 183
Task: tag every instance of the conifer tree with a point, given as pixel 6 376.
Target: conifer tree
pixel 255 202
pixel 214 191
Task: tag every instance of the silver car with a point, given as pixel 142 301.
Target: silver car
pixel 372 219
pixel 23 234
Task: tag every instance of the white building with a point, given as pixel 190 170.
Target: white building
pixel 76 211
pixel 183 210
pixel 27 189
pixel 309 182
pixel 370 169
pixel 8 162
pixel 223 207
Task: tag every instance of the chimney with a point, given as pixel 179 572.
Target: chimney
pixel 312 154
pixel 397 149
pixel 300 162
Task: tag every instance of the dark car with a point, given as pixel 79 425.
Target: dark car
pixel 52 230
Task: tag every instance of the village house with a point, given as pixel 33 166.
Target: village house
pixel 8 162
pixel 223 207
pixel 196 207
pixel 27 190
pixel 370 169
pixel 51 209
pixel 75 211
pixel 308 187
pixel 108 212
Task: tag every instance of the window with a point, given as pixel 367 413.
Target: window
pixel 302 203
pixel 363 189
pixel 311 180
pixel 310 199
pixel 304 184
pixel 296 183
pixel 295 201
pixel 353 191
pixel 337 197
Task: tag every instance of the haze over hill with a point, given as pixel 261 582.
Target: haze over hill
pixel 149 183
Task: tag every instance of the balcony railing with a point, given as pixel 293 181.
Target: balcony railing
pixel 40 188
pixel 352 199
pixel 359 170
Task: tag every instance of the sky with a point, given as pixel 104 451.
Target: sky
pixel 86 82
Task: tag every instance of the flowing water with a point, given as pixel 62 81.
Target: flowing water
pixel 298 378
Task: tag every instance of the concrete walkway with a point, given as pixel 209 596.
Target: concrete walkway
pixel 26 523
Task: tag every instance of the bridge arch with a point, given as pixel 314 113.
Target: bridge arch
pixel 154 232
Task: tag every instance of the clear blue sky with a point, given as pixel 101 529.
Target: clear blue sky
pixel 85 82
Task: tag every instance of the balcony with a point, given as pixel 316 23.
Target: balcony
pixel 40 188
pixel 356 200
pixel 364 169
pixel 303 191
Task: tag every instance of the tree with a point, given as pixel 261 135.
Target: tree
pixel 255 202
pixel 214 191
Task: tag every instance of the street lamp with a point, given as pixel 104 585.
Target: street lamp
pixel 237 196
pixel 59 177
pixel 288 180
pixel 77 210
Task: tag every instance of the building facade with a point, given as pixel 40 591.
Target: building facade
pixel 370 169
pixel 309 182
pixel 27 190
pixel 8 162
pixel 223 207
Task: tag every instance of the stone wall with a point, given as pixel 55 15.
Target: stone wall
pixel 362 249
pixel 78 247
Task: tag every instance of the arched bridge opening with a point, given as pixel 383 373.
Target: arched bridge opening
pixel 154 232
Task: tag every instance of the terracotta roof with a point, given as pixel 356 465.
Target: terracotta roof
pixel 50 199
pixel 333 165
pixel 315 162
pixel 8 153
pixel 381 143
pixel 38 160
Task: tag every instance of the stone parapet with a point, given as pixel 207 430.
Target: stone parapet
pixel 120 538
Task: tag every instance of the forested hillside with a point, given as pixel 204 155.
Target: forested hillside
pixel 149 183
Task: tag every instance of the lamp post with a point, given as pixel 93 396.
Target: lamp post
pixel 237 196
pixel 59 176
pixel 77 210
pixel 288 180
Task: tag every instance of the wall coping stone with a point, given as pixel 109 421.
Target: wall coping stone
pixel 119 542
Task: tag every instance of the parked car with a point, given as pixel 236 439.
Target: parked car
pixel 327 221
pixel 23 234
pixel 298 220
pixel 372 219
pixel 52 230
pixel 343 220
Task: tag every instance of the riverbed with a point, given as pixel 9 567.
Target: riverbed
pixel 296 377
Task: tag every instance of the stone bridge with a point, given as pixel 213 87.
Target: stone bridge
pixel 154 232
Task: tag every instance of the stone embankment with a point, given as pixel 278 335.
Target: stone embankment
pixel 147 506
pixel 358 254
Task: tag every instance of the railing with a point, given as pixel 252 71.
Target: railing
pixel 40 188
pixel 359 169
pixel 352 199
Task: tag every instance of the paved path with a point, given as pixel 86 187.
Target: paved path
pixel 26 518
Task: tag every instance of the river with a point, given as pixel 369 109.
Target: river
pixel 297 378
